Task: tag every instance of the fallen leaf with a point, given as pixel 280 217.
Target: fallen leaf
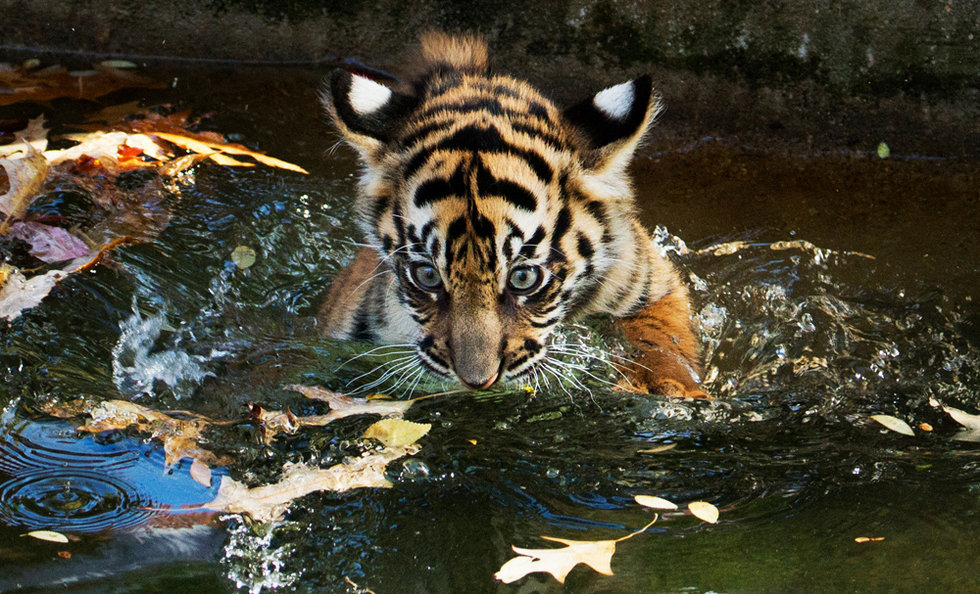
pixel 342 405
pixel 48 535
pixel 64 554
pixel 895 424
pixel 243 256
pixel 704 511
pixel 654 502
pixel 270 502
pixel 34 134
pixel 925 427
pixel 203 146
pixel 49 244
pixel 19 293
pixel 658 449
pixel 180 437
pixel 397 432
pixel 963 418
pixel 863 539
pixel 25 176
pixel 597 554
pixel 200 472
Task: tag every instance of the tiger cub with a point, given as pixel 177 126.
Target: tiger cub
pixel 491 217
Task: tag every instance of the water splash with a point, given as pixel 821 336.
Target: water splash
pixel 137 366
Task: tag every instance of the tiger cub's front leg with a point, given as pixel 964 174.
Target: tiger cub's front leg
pixel 668 358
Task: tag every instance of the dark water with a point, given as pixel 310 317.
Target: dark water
pixel 811 322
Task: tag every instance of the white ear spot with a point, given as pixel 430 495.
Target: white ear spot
pixel 616 101
pixel 366 96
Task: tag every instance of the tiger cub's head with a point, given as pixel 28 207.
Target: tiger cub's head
pixel 499 214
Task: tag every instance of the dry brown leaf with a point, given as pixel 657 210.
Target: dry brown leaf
pixel 342 405
pixel 34 134
pixel 658 450
pixel 895 424
pixel 180 437
pixel 704 511
pixel 25 176
pixel 270 502
pixel 19 293
pixel 397 432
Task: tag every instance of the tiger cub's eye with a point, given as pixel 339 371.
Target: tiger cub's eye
pixel 524 279
pixel 426 276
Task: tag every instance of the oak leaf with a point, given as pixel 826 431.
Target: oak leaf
pixel 597 554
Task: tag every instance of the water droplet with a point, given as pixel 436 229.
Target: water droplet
pixel 414 469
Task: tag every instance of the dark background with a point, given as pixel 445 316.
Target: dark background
pixel 807 75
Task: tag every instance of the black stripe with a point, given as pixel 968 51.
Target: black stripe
pixel 527 250
pixel 546 323
pixel 475 139
pixel 436 189
pixel 423 132
pixel 543 135
pixel 598 211
pixel 585 248
pixel 562 223
pixel 455 231
pixel 517 195
pixel 361 329
pixel 426 231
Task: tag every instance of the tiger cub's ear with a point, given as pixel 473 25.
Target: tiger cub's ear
pixel 365 112
pixel 613 122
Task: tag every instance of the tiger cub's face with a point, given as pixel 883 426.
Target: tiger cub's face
pixel 498 215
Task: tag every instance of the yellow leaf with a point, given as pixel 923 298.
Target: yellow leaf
pixel 48 535
pixel 895 424
pixel 226 161
pixel 397 432
pixel 597 554
pixel 243 256
pixel 654 502
pixel 863 539
pixel 704 511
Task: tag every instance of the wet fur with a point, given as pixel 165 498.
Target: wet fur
pixel 476 174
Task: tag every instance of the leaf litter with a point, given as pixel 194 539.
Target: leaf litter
pixel 129 139
pixel 182 434
pixel 596 554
